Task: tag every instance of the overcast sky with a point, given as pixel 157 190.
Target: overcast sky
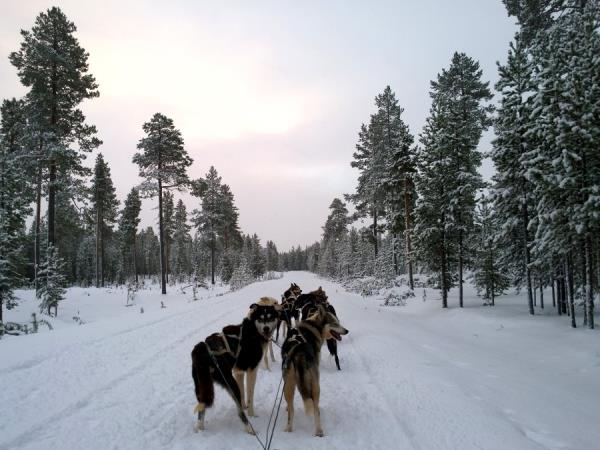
pixel 272 93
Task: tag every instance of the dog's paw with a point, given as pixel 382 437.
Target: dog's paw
pixel 251 413
pixel 288 429
pixel 319 433
pixel 249 430
pixel 199 426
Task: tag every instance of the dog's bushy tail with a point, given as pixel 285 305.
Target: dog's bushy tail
pixel 304 383
pixel 203 381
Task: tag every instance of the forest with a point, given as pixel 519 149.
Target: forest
pixel 421 213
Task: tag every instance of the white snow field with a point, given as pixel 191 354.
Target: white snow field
pixel 413 377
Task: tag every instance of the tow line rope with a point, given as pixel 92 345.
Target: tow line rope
pixel 278 395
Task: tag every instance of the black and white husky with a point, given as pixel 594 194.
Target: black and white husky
pixel 227 356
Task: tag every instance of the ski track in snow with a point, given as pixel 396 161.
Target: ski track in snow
pixel 412 378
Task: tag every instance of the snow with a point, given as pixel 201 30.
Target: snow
pixel 412 377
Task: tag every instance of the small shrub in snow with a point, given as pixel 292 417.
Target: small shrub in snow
pixel 396 297
pixel 78 320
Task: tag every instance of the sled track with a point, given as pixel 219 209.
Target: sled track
pixel 33 432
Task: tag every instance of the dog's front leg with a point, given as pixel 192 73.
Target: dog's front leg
pixel 250 397
pixel 239 379
pixel 271 351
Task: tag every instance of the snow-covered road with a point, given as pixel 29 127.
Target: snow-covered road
pixel 412 377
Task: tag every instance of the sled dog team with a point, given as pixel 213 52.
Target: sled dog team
pixel 231 357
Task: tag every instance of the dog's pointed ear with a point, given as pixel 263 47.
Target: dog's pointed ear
pixel 253 306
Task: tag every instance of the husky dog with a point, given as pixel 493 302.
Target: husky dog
pixel 301 353
pixel 269 301
pixel 307 304
pixel 288 312
pixel 225 357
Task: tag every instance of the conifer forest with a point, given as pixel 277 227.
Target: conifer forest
pixel 420 205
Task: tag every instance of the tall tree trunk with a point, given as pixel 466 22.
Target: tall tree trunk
pixel 444 270
pixel 571 289
pixel 97 243
pixel 525 213
pixel 38 221
pixel 460 268
pixel 161 231
pixel 375 230
pixel 135 260
pixel 553 292
pixel 407 225
pixel 395 254
pixel 541 294
pixel 102 254
pixel 167 257
pixel 51 203
pixel 588 280
pixel 212 261
pixel 562 288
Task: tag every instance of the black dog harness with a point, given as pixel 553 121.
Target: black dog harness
pixel 226 349
pixel 299 339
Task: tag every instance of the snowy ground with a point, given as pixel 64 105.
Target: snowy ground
pixel 412 377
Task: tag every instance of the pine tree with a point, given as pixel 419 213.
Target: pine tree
pixel 564 166
pixel 54 66
pixel 229 231
pixel 52 278
pixel 450 138
pixel 14 209
pixel 181 242
pixel 256 259
pixel 369 198
pixel 168 227
pixel 128 224
pixel 271 257
pixel 163 163
pixel 393 137
pixel 104 211
pixel 209 219
pixel 488 275
pixel 512 192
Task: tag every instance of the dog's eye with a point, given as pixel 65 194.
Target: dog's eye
pixel 262 316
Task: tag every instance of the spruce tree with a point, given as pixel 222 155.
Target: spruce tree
pixel 181 255
pixel 52 282
pixel 459 115
pixel 208 220
pixel 104 211
pixel 369 198
pixel 564 166
pixel 512 193
pixel 163 162
pixel 488 276
pixel 271 257
pixel 396 142
pixel 14 209
pixel 53 65
pixel 128 224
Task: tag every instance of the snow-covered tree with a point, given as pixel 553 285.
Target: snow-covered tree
pixel 512 193
pixel 128 224
pixel 52 282
pixel 103 211
pixel 209 219
pixel 488 276
pixel 181 264
pixel 448 163
pixel 564 166
pixel 53 65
